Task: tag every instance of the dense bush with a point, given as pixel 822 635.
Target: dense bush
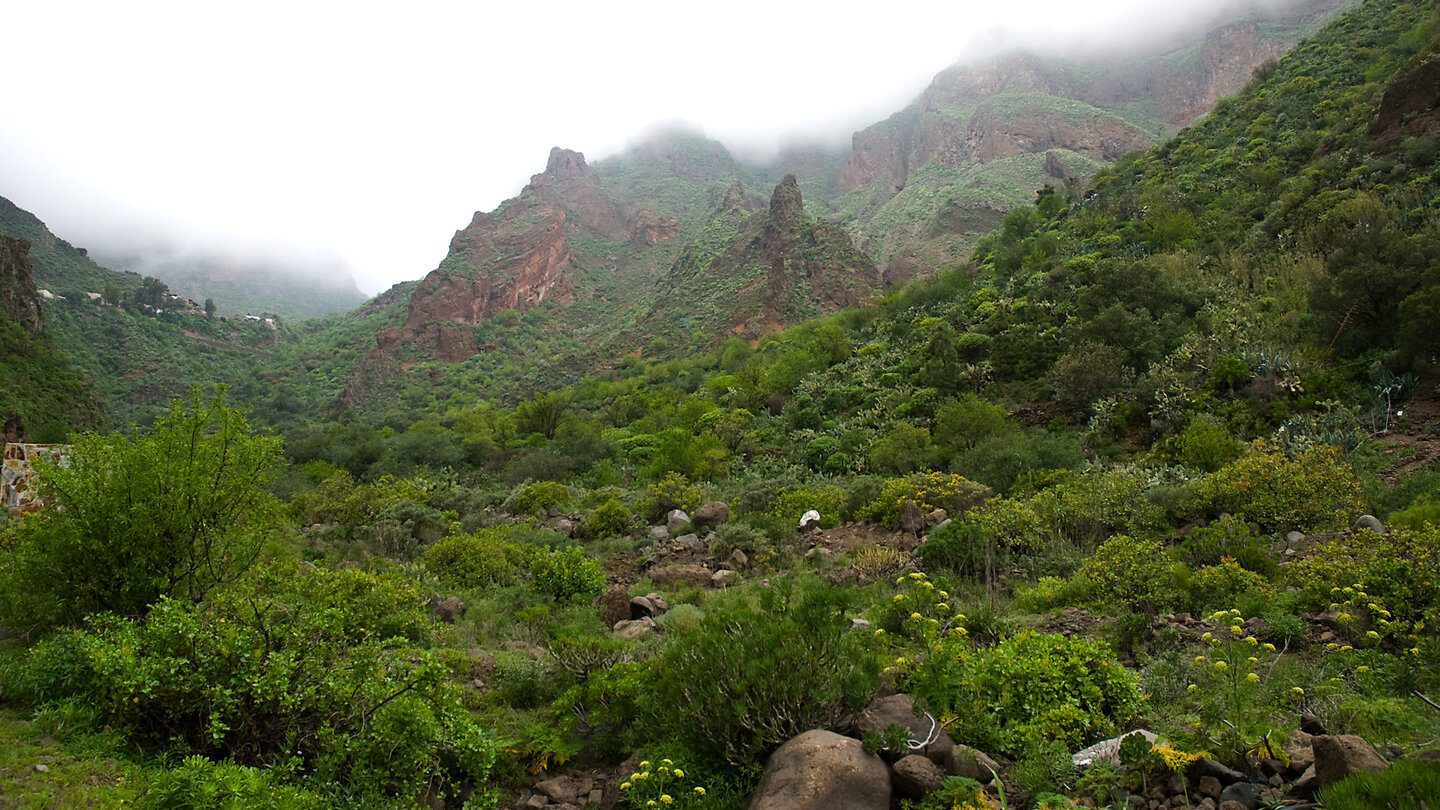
pixel 607 519
pixel 1130 573
pixel 307 670
pixel 722 677
pixel 674 491
pixel 1401 567
pixel 173 512
pixel 540 496
pixel 474 560
pixel 1314 491
pixel 929 490
pixel 567 574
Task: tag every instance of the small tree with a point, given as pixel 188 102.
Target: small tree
pixel 170 513
pixel 210 308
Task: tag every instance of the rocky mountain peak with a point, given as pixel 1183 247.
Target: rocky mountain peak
pixel 566 165
pixel 786 208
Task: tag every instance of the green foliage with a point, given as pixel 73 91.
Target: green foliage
pixel 174 512
pixel 1406 783
pixel 674 491
pixel 723 676
pixel 303 669
pixel 1130 573
pixel 567 574
pixel 1034 687
pixel 607 519
pixel 1229 537
pixel 476 560
pixel 1206 446
pixel 341 501
pixel 664 784
pixel 1313 491
pixel 541 496
pixel 1400 568
pixel 958 793
pixel 200 784
pixel 930 490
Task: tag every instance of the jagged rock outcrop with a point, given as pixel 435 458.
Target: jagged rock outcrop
pixel 19 299
pixel 750 274
pixel 1410 106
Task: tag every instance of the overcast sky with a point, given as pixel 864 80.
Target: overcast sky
pixel 368 133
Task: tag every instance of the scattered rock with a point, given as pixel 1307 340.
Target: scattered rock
pixel 688 541
pixel 936 517
pixel 1369 522
pixel 658 533
pixel 641 606
pixel 632 629
pixel 810 521
pixel 671 575
pixel 724 578
pixel 565 526
pixel 711 515
pixel 560 789
pixel 1245 794
pixel 675 520
pixel 821 770
pixel 859 624
pixel 41 768
pixel 1338 756
pixel 738 559
pixel 658 601
pixel 1205 766
pixel 914 776
pixel 1210 786
pixel 1305 786
pixel 912 520
pixel 1108 750
pixel 1299 750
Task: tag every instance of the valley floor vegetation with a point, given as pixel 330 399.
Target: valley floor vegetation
pixel 1160 457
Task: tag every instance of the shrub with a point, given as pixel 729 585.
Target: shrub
pixel 826 499
pixel 1206 446
pixel 1315 491
pixel 723 677
pixel 174 512
pixel 1034 687
pixel 674 491
pixel 1229 537
pixel 607 519
pixel 474 560
pixel 1131 573
pixel 199 784
pixel 540 496
pixel 567 574
pixel 1216 585
pixel 1401 567
pixel 929 490
pixel 313 671
pixel 1406 783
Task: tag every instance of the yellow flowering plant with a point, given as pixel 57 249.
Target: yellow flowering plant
pixel 1228 689
pixel 663 783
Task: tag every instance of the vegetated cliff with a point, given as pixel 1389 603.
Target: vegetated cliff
pixel 754 273
pixel 920 186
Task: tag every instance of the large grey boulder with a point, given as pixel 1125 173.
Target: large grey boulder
pixel 1339 755
pixel 710 515
pixel 674 520
pixel 821 770
pixel 914 776
pixel 891 709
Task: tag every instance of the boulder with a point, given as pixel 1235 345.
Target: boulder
pixel 659 602
pixel 671 575
pixel 561 789
pixel 451 609
pixel 658 533
pixel 884 712
pixel 615 606
pixel 1245 794
pixel 971 763
pixel 738 559
pixel 936 517
pixel 1108 750
pixel 914 776
pixel 711 514
pixel 724 578
pixel 810 521
pixel 1339 755
pixel 641 606
pixel 1369 522
pixel 688 541
pixel 821 770
pixel 1205 766
pixel 1299 749
pixel 912 520
pixel 631 629
pixel 565 526
pixel 674 520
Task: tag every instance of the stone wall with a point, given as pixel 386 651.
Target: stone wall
pixel 17 476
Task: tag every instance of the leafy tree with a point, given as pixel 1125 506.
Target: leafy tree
pixel 544 414
pixel 152 292
pixel 132 519
pixel 210 307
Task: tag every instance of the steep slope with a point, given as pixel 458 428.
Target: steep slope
pixel 138 355
pixel 918 188
pixel 41 394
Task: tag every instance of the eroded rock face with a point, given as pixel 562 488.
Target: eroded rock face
pixel 18 296
pixel 821 770
pixel 1338 756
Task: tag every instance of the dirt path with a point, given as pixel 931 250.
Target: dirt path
pixel 1413 442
